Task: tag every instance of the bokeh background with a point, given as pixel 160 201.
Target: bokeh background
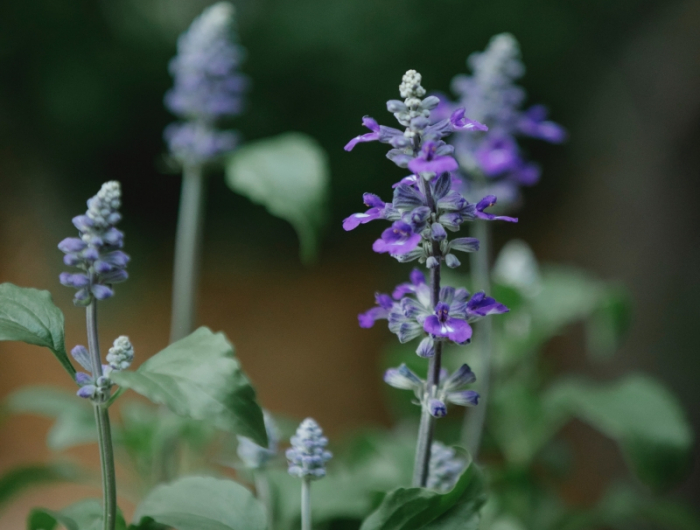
pixel 81 88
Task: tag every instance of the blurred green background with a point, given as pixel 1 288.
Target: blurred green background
pixel 81 94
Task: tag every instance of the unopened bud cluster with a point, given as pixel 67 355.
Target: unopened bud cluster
pixel 97 252
pixel 95 383
pixel 308 456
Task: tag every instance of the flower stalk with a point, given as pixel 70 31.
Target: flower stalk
pixel 306 504
pixel 188 244
pixel 104 429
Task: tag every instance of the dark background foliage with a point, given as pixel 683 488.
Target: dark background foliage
pixel 81 102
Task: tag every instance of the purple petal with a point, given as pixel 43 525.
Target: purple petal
pixel 372 200
pixel 82 378
pixel 411 180
pixel 461 377
pixel 82 222
pixel 357 219
pixel 101 292
pixel 466 398
pixel 459 122
pixel 368 137
pixel 437 408
pixel 498 156
pixel 368 318
pixel 438 165
pixel 71 244
pixel 87 391
pixel 80 354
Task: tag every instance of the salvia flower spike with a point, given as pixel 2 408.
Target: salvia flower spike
pixel 445 467
pixel 207 87
pixel 97 252
pixel 308 455
pixel 426 206
pixel 493 161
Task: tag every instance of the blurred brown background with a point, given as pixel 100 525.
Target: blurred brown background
pixel 81 103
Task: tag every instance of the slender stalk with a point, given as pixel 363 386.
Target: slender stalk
pixel 188 242
pixel 306 504
pixel 104 431
pixel 427 421
pixel 262 487
pixel 475 420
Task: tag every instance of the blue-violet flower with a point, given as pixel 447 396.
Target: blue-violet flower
pixel 308 456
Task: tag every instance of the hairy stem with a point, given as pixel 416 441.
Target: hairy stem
pixel 475 420
pixel 427 421
pixel 306 504
pixel 188 242
pixel 262 488
pixel 104 430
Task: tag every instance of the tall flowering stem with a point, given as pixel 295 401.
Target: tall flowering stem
pixel 426 204
pixel 492 163
pixel 101 263
pixel 208 89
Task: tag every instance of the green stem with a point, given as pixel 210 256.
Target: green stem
pixel 305 504
pixel 104 431
pixel 262 487
pixel 426 430
pixel 188 242
pixel 475 420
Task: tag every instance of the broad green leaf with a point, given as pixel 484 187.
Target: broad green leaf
pixel 83 515
pixel 199 377
pixel 414 508
pixel 640 414
pixel 20 478
pixel 289 175
pixel 30 316
pixel 202 503
pixel 75 422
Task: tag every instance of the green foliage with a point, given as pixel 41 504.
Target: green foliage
pixel 75 422
pixel 414 508
pixel 83 515
pixel 640 414
pixel 198 503
pixel 289 175
pixel 17 479
pixel 29 315
pixel 199 377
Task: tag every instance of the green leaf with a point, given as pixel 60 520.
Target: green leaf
pixel 30 316
pixel 20 478
pixel 75 422
pixel 641 415
pixel 414 508
pixel 289 175
pixel 202 503
pixel 199 377
pixel 83 515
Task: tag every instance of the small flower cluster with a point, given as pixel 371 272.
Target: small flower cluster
pixel 410 313
pixel 491 96
pixel 255 456
pixel 208 87
pixel 97 251
pixel 308 456
pixel 450 388
pixel 445 467
pixel 94 386
pixel 420 216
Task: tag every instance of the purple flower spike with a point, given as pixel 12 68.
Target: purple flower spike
pixel 376 211
pixel 397 240
pixel 487 202
pixel 498 155
pixel 441 324
pixel 533 123
pixel 429 161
